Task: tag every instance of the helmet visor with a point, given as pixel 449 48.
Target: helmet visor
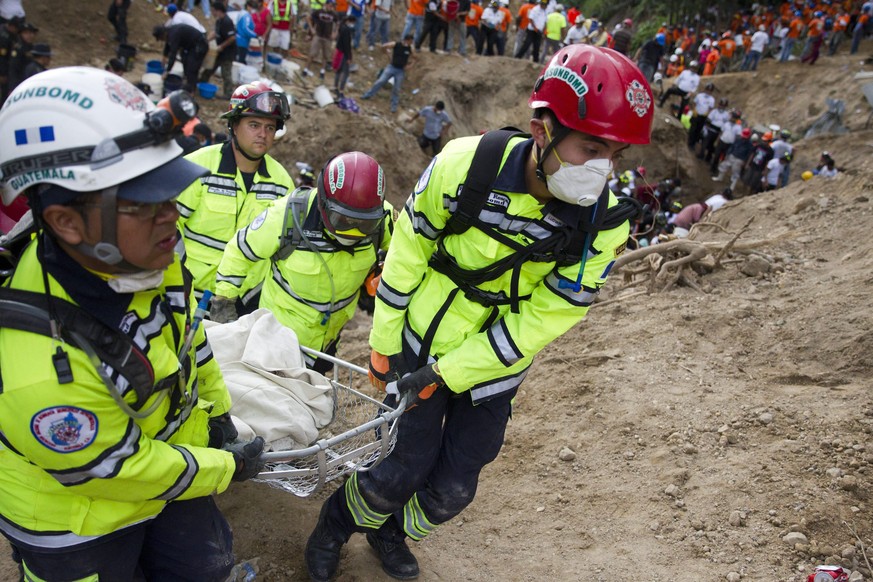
pixel 351 222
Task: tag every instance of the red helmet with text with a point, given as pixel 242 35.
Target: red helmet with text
pixel 258 100
pixel 351 195
pixel 597 91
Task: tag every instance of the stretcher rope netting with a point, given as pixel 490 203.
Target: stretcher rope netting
pixel 361 434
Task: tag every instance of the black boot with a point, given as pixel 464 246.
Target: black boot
pixel 397 561
pixel 322 551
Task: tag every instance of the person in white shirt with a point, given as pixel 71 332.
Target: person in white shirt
pixel 686 84
pixel 730 130
pixel 780 148
pixel 577 32
pixel 533 36
pixel 774 171
pixel 701 106
pixel 181 17
pixel 759 42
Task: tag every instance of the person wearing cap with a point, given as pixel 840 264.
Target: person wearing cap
pixel 114 413
pixel 40 59
pixel 577 33
pixel 8 36
pixel 781 146
pixel 181 17
pixel 462 309
pixel 189 44
pixel 533 35
pixel 117 16
pixel 701 105
pixel 19 56
pixel 773 171
pixel 243 181
pixel 321 243
pixel 650 54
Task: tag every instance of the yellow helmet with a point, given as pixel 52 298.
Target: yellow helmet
pixel 807 175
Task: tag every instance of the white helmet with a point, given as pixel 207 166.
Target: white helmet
pixel 678 50
pixel 693 64
pixel 72 126
pixel 673 58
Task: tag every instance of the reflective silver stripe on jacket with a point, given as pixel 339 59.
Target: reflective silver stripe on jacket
pixel 392 297
pixel 206 241
pixel 502 344
pixel 185 479
pixel 583 298
pixel 318 306
pixel 108 466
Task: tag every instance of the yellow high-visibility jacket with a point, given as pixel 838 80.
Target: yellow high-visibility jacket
pixel 214 207
pixel 73 465
pixel 484 349
pixel 314 291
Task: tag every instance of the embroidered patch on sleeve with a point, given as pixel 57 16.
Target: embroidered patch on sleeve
pixel 64 429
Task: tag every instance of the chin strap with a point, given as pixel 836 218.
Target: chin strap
pixel 560 133
pixel 242 151
pixel 107 251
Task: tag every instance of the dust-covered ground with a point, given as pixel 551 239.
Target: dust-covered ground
pixel 674 435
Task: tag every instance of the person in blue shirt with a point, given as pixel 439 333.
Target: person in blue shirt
pixel 436 122
pixel 245 30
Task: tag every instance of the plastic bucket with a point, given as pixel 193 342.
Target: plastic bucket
pixel 322 96
pixel 154 67
pixel 289 67
pixel 274 59
pixel 207 90
pixel 155 84
pixel 172 83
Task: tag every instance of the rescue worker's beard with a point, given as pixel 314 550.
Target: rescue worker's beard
pixel 580 185
pixel 135 282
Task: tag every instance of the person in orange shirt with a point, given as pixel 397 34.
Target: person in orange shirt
pixel 521 22
pixel 726 48
pixel 472 22
pixel 414 19
pixel 795 27
pixel 841 23
pixel 814 38
pixel 503 27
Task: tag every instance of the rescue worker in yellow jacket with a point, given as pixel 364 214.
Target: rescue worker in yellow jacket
pixel 321 244
pixel 243 181
pixel 461 312
pixel 114 430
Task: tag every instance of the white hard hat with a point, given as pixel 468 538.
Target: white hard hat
pixel 678 50
pixel 673 58
pixel 74 126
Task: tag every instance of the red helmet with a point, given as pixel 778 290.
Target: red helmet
pixel 597 91
pixel 628 22
pixel 351 195
pixel 258 100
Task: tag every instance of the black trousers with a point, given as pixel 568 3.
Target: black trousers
pixel 117 15
pixel 531 38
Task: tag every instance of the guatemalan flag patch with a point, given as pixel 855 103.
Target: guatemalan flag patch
pixel 32 135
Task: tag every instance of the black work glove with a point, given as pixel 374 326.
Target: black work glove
pixel 420 385
pixel 222 310
pixel 249 457
pixel 221 431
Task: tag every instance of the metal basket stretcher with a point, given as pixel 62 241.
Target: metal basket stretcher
pixel 360 435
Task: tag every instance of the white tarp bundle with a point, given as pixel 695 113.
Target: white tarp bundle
pixel 274 395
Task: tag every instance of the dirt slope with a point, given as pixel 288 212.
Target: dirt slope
pixel 677 436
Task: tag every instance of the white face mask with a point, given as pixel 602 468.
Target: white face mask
pixel 347 242
pixel 580 185
pixel 134 282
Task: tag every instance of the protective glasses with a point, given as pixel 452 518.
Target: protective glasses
pixel 268 104
pixel 144 211
pixel 348 221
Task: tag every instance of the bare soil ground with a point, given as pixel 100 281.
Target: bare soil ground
pixel 675 435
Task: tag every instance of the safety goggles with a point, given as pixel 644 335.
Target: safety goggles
pixel 268 104
pixel 143 211
pixel 351 222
